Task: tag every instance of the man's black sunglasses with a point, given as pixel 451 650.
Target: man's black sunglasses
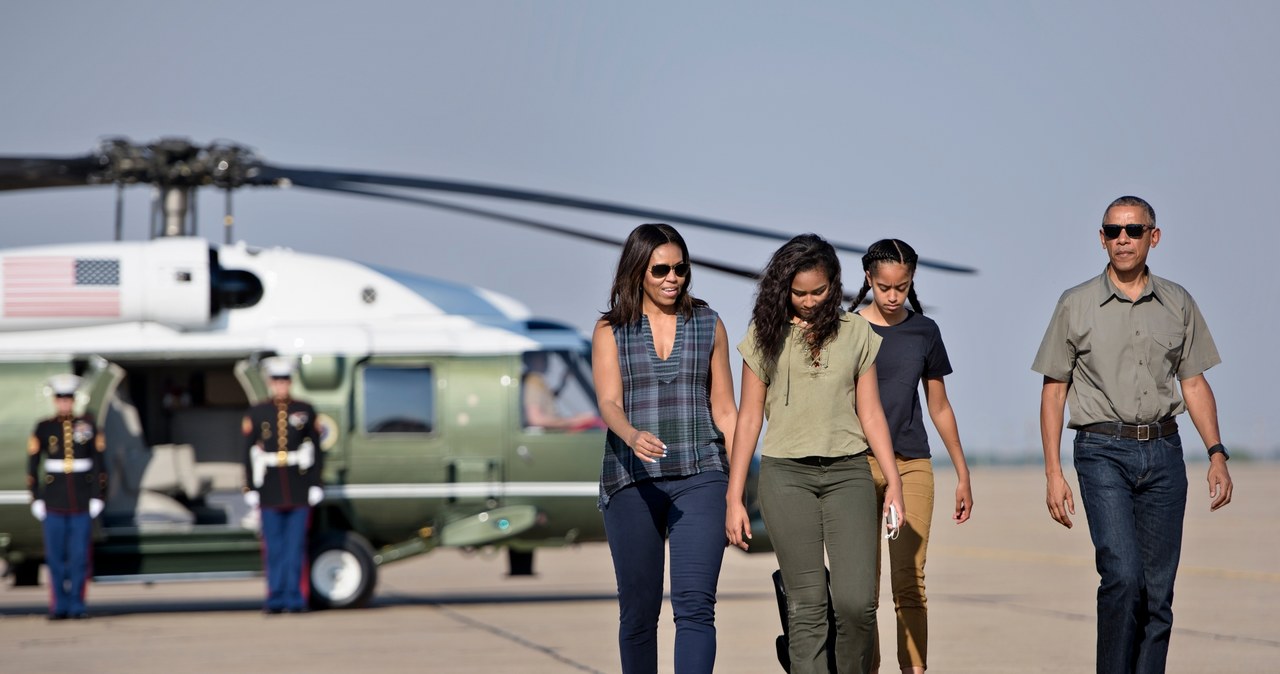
pixel 661 270
pixel 1134 231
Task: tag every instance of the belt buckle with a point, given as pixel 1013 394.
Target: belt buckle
pixel 1144 433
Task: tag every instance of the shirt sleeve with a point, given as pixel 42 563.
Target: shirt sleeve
pixel 936 362
pixel 751 355
pixel 1056 357
pixel 1199 353
pixel 870 343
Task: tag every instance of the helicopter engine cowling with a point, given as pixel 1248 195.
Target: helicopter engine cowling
pixel 174 281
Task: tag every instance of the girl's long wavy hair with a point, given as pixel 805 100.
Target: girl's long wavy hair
pixel 889 250
pixel 626 297
pixel 772 313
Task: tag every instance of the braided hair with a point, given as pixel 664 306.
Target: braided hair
pixel 889 250
pixel 772 312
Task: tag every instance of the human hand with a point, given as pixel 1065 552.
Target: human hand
pixel 1060 501
pixel 1219 482
pixel 251 499
pixel 737 526
pixel 893 497
pixel 647 447
pixel 315 495
pixel 964 502
pixel 38 510
pixel 95 507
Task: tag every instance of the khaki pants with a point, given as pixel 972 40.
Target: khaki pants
pixel 907 557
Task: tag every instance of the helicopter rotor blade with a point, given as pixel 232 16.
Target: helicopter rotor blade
pixel 18 173
pixel 319 178
pixel 725 268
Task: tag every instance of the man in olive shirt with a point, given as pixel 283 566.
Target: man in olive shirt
pixel 1112 352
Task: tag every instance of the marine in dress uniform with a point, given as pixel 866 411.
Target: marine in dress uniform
pixel 70 451
pixel 283 468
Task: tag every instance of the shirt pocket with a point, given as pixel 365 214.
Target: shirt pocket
pixel 1166 348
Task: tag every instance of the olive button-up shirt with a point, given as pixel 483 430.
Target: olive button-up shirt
pixel 1120 357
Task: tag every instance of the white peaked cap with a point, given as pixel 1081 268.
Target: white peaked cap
pixel 64 384
pixel 277 366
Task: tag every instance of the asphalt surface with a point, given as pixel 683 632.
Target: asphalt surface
pixel 1010 591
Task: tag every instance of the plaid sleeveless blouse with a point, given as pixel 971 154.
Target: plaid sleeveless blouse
pixel 669 398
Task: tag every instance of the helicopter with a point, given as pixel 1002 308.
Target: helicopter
pixel 418 382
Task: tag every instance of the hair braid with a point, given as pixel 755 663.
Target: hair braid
pixel 889 250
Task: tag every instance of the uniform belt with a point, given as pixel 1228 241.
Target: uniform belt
pixel 1160 429
pixel 60 466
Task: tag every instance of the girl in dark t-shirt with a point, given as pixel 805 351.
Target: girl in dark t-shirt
pixel 911 352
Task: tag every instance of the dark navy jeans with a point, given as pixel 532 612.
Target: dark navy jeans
pixel 1135 495
pixel 639 520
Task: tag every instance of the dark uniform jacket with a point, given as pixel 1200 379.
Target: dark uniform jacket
pixel 71 453
pixel 282 457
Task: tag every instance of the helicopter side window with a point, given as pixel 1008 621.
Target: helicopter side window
pixel 556 393
pixel 399 400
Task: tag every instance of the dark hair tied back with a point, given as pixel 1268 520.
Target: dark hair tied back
pixel 889 250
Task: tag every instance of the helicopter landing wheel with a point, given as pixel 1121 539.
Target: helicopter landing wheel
pixel 519 562
pixel 26 574
pixel 343 572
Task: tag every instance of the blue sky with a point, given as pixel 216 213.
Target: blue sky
pixel 988 134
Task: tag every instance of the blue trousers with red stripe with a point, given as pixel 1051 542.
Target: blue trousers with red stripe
pixel 66 552
pixel 284 536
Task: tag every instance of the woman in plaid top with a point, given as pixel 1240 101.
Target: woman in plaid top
pixel 661 368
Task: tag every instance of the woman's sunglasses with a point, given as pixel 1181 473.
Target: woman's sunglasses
pixel 661 270
pixel 1134 231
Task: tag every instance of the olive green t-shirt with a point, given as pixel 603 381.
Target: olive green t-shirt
pixel 810 407
pixel 1121 358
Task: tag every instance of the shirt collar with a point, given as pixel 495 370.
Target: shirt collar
pixel 1107 288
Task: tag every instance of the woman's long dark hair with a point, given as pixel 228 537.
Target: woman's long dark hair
pixel 889 250
pixel 626 297
pixel 772 313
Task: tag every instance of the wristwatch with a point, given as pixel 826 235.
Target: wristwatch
pixel 1219 449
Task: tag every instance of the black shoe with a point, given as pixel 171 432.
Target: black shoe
pixel 273 611
pixel 297 610
pixel 79 616
pixel 57 616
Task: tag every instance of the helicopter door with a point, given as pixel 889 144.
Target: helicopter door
pixel 396 464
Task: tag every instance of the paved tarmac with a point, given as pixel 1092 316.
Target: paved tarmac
pixel 1008 592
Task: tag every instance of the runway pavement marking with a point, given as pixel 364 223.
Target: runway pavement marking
pixel 459 617
pixel 1008 555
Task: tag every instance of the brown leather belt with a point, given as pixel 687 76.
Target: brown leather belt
pixel 1160 429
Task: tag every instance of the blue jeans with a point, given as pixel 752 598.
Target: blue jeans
pixel 1135 495
pixel 640 518
pixel 284 536
pixel 66 552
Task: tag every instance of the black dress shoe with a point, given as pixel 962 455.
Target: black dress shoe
pixel 79 616
pixel 57 616
pixel 297 610
pixel 273 611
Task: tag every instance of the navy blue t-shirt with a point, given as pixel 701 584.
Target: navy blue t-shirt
pixel 911 351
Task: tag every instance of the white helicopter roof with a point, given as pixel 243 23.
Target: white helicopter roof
pixel 310 304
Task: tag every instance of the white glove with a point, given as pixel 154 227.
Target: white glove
pixel 315 495
pixel 37 510
pixel 251 499
pixel 95 507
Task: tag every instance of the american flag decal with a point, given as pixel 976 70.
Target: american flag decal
pixel 61 287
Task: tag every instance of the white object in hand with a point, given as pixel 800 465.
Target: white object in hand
pixel 891 520
pixel 315 495
pixel 37 510
pixel 95 507
pixel 251 499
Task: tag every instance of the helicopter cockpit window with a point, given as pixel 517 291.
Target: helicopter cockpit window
pixel 399 400
pixel 556 392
